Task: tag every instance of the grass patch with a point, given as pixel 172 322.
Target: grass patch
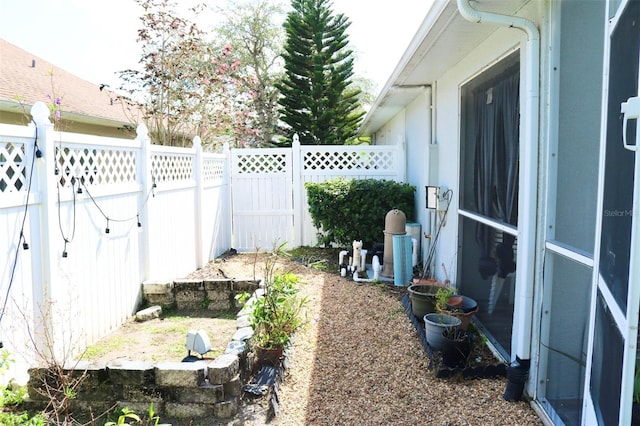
pixel 322 259
pixel 105 347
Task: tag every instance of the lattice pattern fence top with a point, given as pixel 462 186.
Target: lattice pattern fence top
pixel 349 160
pixel 95 166
pixel 213 169
pixel 13 167
pixel 172 167
pixel 261 163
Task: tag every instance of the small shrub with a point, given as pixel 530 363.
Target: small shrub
pixel 345 210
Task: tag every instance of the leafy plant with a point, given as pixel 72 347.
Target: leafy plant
pixel 278 314
pixel 344 210
pixel 123 418
pixel 11 397
pixel 442 298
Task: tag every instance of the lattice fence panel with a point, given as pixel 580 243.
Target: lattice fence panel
pixel 349 160
pixel 96 166
pixel 13 167
pixel 172 167
pixel 213 169
pixel 261 163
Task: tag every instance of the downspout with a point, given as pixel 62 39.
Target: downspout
pixel 523 309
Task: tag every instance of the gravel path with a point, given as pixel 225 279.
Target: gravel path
pixel 360 362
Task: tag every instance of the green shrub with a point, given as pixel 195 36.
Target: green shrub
pixel 344 210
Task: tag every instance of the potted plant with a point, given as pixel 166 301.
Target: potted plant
pixel 277 314
pixel 435 324
pixel 456 347
pixel 423 298
pixel 450 303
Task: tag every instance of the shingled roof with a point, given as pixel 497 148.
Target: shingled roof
pixel 27 78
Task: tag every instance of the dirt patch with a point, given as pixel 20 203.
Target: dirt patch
pixel 164 338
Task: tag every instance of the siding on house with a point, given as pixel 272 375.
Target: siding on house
pixel 85 107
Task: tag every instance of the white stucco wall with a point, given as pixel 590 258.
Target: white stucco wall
pixel 447 133
pixel 413 126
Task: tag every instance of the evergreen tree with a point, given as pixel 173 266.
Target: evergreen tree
pixel 318 101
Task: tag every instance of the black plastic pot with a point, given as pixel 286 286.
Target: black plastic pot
pixel 517 375
pixel 456 348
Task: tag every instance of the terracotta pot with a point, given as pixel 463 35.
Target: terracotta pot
pixel 465 312
pixel 269 356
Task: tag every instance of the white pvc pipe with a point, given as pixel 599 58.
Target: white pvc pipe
pixel 343 253
pixel 375 264
pixel 414 252
pixel 363 260
pixel 526 256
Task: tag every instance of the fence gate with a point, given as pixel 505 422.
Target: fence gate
pixel 262 198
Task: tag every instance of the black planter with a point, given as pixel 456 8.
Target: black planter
pixel 456 348
pixel 517 375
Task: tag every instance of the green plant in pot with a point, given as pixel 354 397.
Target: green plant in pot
pixel 447 300
pixel 278 314
pixel 450 303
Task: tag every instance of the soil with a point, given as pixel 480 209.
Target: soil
pixel 164 338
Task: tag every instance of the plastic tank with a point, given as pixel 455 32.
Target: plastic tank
pixel 394 224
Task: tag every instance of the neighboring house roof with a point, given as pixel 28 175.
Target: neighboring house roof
pixel 443 39
pixel 27 78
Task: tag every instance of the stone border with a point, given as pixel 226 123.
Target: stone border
pixel 179 391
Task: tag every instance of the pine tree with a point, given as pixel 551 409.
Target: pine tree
pixel 318 101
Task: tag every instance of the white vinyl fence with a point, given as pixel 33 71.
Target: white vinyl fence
pixel 84 220
pixel 270 201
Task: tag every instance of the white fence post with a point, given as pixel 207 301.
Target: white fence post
pixel 296 159
pixel 226 150
pixel 199 178
pixel 147 183
pixel 46 174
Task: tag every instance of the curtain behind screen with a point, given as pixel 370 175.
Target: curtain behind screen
pixel 496 133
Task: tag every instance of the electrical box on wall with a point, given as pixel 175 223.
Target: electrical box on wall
pixel 432 197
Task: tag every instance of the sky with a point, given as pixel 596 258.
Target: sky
pixel 94 39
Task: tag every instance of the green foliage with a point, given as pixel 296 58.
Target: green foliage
pixel 126 416
pixel 347 210
pixel 10 399
pixel 319 101
pixel 123 417
pixel 277 315
pixel 186 84
pixel 442 297
pixel 254 31
pixel 21 419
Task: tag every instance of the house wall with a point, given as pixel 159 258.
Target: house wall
pixel 447 102
pixel 413 126
pixel 113 131
pixel 393 131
